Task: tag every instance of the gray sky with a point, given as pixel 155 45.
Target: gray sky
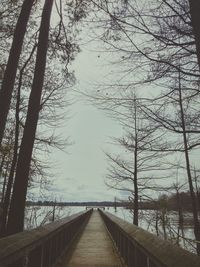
pixel 81 173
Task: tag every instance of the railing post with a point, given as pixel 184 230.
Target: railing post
pixel 152 264
pixel 46 254
pixel 131 254
pixel 140 258
pixel 53 250
pixel 18 263
pixel 35 257
pixel 126 250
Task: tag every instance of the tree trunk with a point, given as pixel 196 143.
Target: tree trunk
pixel 5 180
pixel 1 172
pixel 12 64
pixel 195 18
pixel 7 199
pixel 157 219
pixel 6 202
pixel 197 190
pixel 17 207
pixel 135 218
pixel 163 221
pixel 180 218
pixel 189 175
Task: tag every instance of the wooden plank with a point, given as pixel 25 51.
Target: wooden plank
pixel 94 248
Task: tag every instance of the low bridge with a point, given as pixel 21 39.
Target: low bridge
pixel 89 239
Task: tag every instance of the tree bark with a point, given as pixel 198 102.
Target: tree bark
pixel 5 180
pixel 195 18
pixel 197 190
pixel 12 64
pixel 17 207
pixel 1 171
pixel 180 217
pixel 7 198
pixel 7 162
pixel 135 214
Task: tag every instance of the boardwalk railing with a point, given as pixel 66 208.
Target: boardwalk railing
pixel 41 247
pixel 139 248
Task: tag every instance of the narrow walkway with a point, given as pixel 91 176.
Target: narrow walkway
pixel 94 247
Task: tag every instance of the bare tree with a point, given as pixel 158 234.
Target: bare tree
pixel 137 171
pixel 156 42
pixel 22 172
pixel 12 64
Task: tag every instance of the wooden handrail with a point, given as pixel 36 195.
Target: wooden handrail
pixel 41 246
pixel 140 248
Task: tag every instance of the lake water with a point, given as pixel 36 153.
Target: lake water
pixel 37 215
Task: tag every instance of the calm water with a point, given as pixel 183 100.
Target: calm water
pixel 36 216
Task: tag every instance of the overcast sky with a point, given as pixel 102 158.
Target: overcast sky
pixel 81 172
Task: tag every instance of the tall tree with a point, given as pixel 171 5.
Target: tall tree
pixel 12 64
pixel 17 207
pixel 188 168
pixel 177 111
pixel 137 170
pixel 161 37
pixel 6 201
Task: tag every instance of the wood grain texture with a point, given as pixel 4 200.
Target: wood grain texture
pixel 94 248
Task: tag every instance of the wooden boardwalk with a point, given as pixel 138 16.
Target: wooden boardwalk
pixel 94 248
pixel 82 240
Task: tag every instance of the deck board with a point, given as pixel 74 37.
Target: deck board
pixel 94 248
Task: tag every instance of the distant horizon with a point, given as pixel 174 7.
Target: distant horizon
pixel 71 202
